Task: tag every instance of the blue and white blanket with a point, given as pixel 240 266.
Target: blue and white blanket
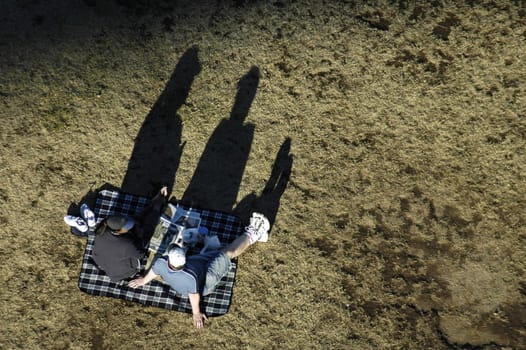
pixel 94 281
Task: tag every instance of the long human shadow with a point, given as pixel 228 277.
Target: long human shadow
pixel 217 177
pixel 269 200
pixel 157 151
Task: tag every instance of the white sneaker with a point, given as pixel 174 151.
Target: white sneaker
pixel 258 228
pixel 88 215
pixel 75 221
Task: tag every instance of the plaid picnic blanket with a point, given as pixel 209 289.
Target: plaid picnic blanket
pixel 95 282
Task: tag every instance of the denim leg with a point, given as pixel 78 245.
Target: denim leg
pixel 217 269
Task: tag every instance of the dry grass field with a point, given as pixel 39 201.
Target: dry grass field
pixel 386 140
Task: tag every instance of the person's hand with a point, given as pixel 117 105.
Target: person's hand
pixel 164 191
pixel 199 320
pixel 136 282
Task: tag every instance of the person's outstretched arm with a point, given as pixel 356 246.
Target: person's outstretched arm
pixel 141 281
pixel 197 315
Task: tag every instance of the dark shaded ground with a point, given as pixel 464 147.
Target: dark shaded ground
pixel 385 140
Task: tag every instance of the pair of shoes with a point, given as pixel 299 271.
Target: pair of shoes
pixel 258 227
pixel 88 215
pixel 77 223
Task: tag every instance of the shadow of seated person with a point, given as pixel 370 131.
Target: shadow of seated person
pixel 158 148
pixel 217 177
pixel 269 200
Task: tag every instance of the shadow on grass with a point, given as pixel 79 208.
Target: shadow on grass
pixel 269 200
pixel 217 177
pixel 157 151
pixel 156 155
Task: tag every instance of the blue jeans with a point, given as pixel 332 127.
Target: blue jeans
pixel 217 269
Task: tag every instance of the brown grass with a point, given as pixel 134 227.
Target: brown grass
pixel 403 222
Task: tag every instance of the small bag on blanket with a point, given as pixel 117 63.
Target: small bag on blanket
pixel 95 282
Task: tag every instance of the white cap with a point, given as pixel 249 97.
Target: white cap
pixel 177 256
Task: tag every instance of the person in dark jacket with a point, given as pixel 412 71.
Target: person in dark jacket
pixel 121 242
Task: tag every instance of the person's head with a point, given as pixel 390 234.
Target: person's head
pixel 120 224
pixel 176 258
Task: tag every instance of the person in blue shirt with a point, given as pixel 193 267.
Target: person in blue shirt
pixel 198 275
